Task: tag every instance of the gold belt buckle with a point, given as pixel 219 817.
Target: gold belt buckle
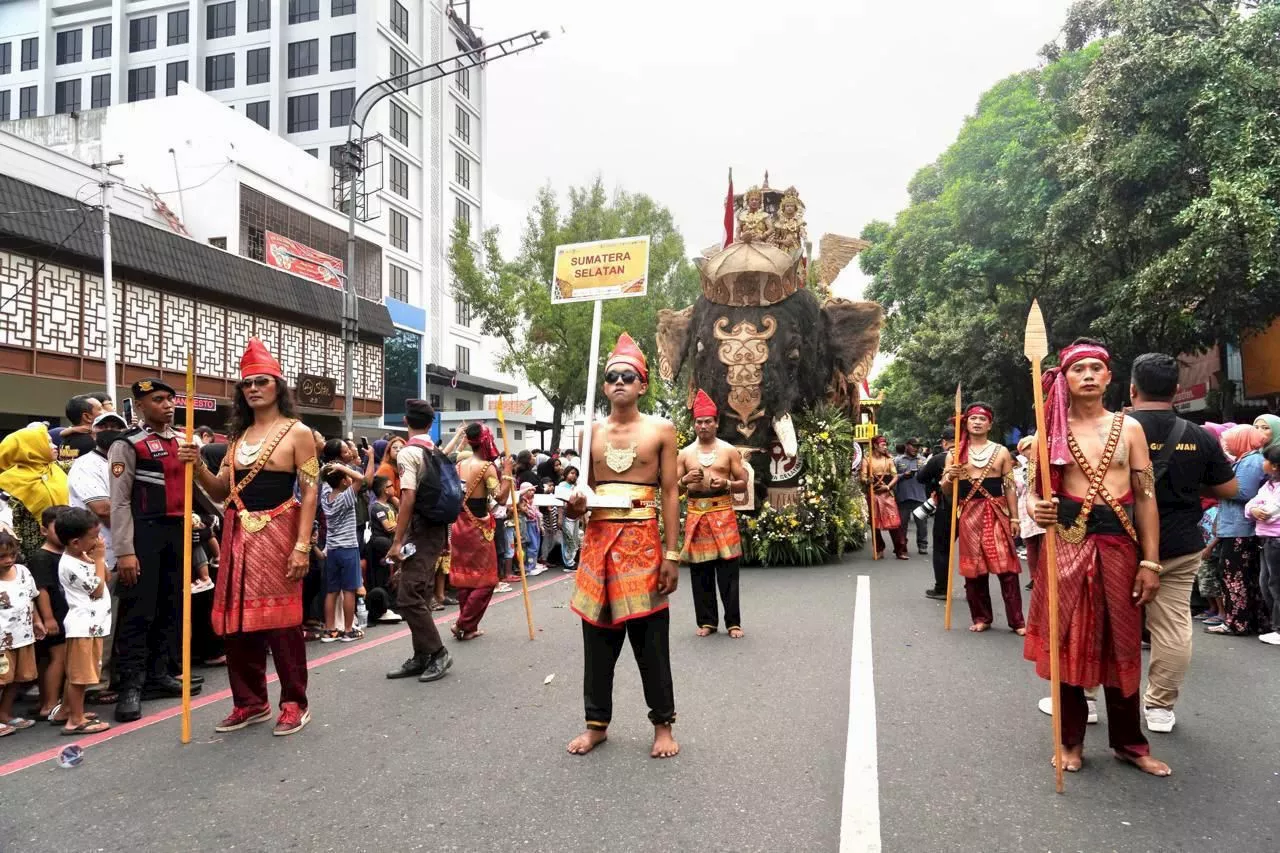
pixel 254 522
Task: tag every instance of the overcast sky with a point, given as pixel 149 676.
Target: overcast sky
pixel 845 99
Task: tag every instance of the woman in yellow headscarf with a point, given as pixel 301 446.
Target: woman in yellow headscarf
pixel 32 479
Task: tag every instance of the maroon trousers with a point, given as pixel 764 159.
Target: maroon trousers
pixel 472 604
pixel 977 591
pixel 898 535
pixel 1124 719
pixel 247 666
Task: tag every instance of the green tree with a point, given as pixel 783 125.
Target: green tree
pixel 548 344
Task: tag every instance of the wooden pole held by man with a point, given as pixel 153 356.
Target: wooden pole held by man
pixel 188 473
pixel 515 519
pixel 955 506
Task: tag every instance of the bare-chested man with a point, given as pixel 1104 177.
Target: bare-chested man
pixel 711 470
pixel 625 573
pixel 1105 511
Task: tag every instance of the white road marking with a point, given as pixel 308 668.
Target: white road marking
pixel 860 810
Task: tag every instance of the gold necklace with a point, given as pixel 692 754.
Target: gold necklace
pixel 619 461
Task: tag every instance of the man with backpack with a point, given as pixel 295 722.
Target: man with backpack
pixel 430 501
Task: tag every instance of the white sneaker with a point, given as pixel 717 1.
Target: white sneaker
pixel 1159 719
pixel 502 587
pixel 536 570
pixel 1272 639
pixel 1046 707
pixel 391 616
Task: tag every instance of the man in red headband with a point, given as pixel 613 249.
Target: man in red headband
pixel 626 570
pixel 268 483
pixel 473 565
pixel 988 517
pixel 1105 511
pixel 880 474
pixel 711 471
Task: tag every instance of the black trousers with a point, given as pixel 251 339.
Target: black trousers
pixel 651 643
pixel 151 609
pixel 704 578
pixel 941 546
pixel 905 508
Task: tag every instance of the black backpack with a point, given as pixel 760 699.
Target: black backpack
pixel 438 498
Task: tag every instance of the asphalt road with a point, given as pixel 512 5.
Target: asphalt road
pixel 476 762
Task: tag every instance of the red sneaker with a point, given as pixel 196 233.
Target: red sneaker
pixel 241 718
pixel 292 719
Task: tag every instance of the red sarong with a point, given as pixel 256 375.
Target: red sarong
pixel 887 517
pixel 253 591
pixel 711 531
pixel 617 577
pixel 986 545
pixel 473 559
pixel 1101 629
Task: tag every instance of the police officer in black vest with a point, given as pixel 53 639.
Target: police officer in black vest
pixel 147 505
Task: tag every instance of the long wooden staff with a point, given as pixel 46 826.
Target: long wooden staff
pixel 871 498
pixel 515 518
pixel 1036 347
pixel 955 509
pixel 187 484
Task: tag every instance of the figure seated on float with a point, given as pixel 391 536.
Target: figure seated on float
pixel 754 222
pixel 788 226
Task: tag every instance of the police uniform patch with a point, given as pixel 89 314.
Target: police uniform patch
pixel 117 469
pixel 145 386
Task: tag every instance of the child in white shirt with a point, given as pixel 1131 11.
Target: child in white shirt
pixel 19 630
pixel 83 574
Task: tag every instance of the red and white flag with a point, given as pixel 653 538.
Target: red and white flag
pixel 728 213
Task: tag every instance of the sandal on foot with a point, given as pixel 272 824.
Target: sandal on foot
pixel 88 727
pixel 53 721
pixel 20 723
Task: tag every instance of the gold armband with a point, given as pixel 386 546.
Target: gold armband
pixel 1147 480
pixel 1151 566
pixel 674 556
pixel 309 472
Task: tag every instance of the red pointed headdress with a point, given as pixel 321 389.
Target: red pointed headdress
pixel 704 406
pixel 626 352
pixel 257 361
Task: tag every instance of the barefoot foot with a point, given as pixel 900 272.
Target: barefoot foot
pixel 736 633
pixel 979 627
pixel 1146 764
pixel 1072 758
pixel 479 632
pixel 664 745
pixel 1021 632
pixel 587 741
pixel 705 630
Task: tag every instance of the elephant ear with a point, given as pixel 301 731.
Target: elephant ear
pixel 673 338
pixel 853 338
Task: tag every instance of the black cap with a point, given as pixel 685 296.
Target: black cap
pixel 911 442
pixel 143 387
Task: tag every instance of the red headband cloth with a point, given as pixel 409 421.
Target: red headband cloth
pixel 962 452
pixel 704 406
pixel 484 446
pixel 1058 397
pixel 627 352
pixel 258 361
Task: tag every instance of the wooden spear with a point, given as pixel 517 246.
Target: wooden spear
pixel 188 485
pixel 1036 347
pixel 515 518
pixel 955 508
pixel 871 498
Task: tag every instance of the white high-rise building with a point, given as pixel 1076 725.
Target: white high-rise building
pixel 295 67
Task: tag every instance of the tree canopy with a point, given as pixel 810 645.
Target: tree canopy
pixel 1130 184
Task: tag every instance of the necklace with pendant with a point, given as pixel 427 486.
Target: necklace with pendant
pixel 708 458
pixel 619 461
pixel 980 458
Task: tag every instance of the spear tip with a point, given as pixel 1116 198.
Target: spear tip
pixel 1035 342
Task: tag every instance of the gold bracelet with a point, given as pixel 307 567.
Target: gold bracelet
pixel 674 556
pixel 1151 565
pixel 302 547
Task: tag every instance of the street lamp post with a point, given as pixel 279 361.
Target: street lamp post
pixel 351 166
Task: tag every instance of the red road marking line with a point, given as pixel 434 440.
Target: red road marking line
pixel 169 713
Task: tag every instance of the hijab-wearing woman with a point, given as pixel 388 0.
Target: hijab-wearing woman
pixel 33 480
pixel 1269 426
pixel 1244 610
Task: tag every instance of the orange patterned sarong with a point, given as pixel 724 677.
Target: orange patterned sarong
pixel 253 592
pixel 711 531
pixel 473 559
pixel 617 576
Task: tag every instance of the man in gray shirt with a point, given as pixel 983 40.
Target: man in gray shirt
pixel 910 493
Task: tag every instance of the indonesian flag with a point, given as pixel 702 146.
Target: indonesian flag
pixel 728 213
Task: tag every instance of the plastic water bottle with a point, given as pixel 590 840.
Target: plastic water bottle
pixel 71 756
pixel 408 550
pixel 362 613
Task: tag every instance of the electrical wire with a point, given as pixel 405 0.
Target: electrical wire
pixel 39 267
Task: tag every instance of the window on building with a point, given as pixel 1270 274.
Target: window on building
pixel 219 72
pixel 342 7
pixel 27 102
pixel 30 54
pixel 518 434
pixel 462 404
pixel 100 91
pixel 436 401
pixel 401 374
pixel 260 112
pixel 301 11
pixel 462 359
pixel 462 82
pixel 340 103
pixel 314 152
pixel 6 58
pixel 398 230
pixel 142 34
pixel 342 52
pixel 399 176
pixel 462 312
pixel 400 21
pixel 462 170
pixel 462 123
pixel 66 97
pixel 101 41
pixel 257 66
pixel 259 17
pixel 142 84
pixel 398 286
pixel 399 66
pixel 399 124
pixel 5 106
pixel 176 29
pixel 461 211
pixel 304 58
pixel 68 46
pixel 304 113
pixel 175 73
pixel 220 20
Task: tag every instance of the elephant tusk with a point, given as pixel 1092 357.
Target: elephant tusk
pixel 786 433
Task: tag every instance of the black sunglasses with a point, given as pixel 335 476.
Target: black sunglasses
pixel 256 382
pixel 628 377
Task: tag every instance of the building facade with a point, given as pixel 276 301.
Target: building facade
pixel 296 67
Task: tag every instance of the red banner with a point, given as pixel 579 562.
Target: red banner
pixel 304 261
pixel 203 404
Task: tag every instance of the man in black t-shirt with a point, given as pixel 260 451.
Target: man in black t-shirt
pixel 930 476
pixel 1195 467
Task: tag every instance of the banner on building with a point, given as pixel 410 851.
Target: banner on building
pixel 292 256
pixel 202 404
pixel 606 269
pixel 509 405
pixel 316 391
pixel 1192 399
